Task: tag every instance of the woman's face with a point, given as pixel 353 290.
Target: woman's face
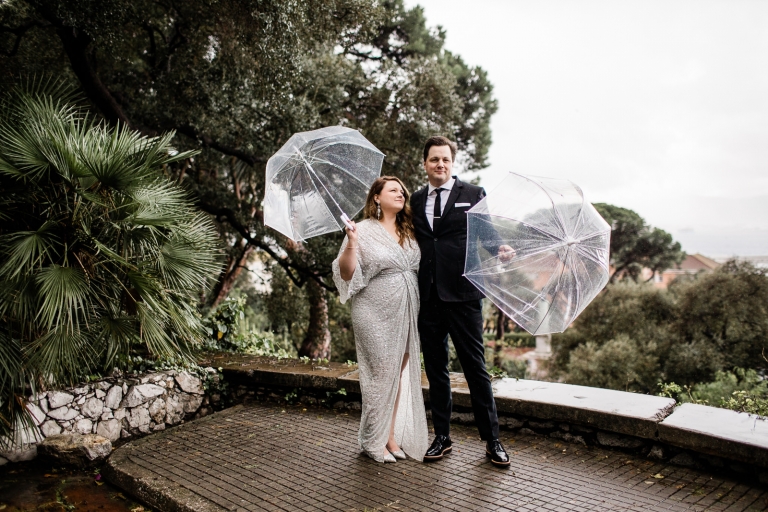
pixel 392 197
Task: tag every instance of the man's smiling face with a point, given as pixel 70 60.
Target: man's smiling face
pixel 438 165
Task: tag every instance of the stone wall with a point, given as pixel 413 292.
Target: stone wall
pixel 117 408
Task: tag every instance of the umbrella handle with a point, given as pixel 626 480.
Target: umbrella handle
pixel 346 222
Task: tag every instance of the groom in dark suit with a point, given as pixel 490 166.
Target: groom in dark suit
pixel 450 304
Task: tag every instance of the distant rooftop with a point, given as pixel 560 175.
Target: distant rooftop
pixel 758 261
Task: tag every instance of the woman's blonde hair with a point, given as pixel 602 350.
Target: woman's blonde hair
pixel 403 219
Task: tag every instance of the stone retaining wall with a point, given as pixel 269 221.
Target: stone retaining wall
pixel 116 408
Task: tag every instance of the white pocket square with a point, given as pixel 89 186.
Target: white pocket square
pixel 462 205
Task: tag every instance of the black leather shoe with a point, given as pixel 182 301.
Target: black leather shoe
pixel 497 453
pixel 440 446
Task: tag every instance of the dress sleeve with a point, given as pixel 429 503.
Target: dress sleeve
pixel 348 289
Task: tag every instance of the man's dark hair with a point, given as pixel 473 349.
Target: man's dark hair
pixel 439 140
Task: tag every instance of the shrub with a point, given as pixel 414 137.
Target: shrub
pixel 634 311
pixel 621 363
pixel 101 255
pixel 728 311
pixel 739 390
pixel 225 332
pixel 739 382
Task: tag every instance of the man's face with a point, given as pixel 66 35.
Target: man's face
pixel 438 165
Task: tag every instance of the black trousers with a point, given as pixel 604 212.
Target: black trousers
pixel 464 322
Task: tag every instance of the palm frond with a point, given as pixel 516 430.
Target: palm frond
pixel 26 250
pixel 63 295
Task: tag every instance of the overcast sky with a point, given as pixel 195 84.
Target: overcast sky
pixel 657 106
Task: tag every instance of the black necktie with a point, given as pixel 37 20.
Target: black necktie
pixel 438 208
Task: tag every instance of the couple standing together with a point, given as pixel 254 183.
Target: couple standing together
pixel 402 268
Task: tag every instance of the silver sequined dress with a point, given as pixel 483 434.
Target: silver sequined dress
pixel 384 294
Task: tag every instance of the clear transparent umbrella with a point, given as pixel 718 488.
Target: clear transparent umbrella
pixel 561 245
pixel 318 179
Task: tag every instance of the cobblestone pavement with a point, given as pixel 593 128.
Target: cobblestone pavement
pixel 268 457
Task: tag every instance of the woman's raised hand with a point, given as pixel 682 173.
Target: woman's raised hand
pixel 351 234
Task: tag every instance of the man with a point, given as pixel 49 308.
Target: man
pixel 450 304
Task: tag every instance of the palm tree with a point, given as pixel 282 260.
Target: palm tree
pixel 100 254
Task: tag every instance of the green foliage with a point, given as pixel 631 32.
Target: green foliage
pixel 637 337
pixel 726 312
pixel 744 402
pixel 620 363
pixel 742 390
pixel 514 339
pixel 727 383
pixel 628 316
pixel 515 368
pixel 100 255
pixel 225 332
pixel 236 78
pixel 635 245
pixel 669 390
pixel 496 373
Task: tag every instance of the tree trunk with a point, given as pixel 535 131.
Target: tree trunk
pixel 229 275
pixel 317 341
pixel 501 323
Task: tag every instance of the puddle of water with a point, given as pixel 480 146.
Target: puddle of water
pixel 32 486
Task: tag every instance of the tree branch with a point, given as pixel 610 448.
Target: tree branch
pixel 211 143
pixel 366 56
pixel 225 214
pixel 19 33
pixel 76 46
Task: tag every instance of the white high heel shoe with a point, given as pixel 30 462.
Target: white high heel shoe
pixel 382 457
pixel 398 454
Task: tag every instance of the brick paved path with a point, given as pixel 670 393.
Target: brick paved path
pixel 267 457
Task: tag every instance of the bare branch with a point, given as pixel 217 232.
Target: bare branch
pixel 209 142
pixel 362 55
pixel 225 214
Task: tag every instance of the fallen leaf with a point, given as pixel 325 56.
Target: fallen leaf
pixel 137 509
pixel 648 482
pixel 48 475
pixel 99 483
pixel 658 475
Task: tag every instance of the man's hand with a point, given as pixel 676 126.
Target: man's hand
pixel 506 253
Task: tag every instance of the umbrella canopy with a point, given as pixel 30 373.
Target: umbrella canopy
pixel 316 178
pixel 561 245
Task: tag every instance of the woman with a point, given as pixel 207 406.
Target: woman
pixel 376 270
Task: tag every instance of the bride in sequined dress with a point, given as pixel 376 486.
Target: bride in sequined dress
pixel 376 271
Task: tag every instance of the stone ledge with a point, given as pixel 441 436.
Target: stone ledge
pixel 606 409
pixel 651 418
pixel 720 432
pixel 287 373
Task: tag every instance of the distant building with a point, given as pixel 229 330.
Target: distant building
pixel 757 261
pixel 692 264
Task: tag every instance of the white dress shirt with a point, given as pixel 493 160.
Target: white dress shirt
pixel 431 194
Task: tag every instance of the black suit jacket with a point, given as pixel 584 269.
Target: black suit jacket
pixel 444 250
